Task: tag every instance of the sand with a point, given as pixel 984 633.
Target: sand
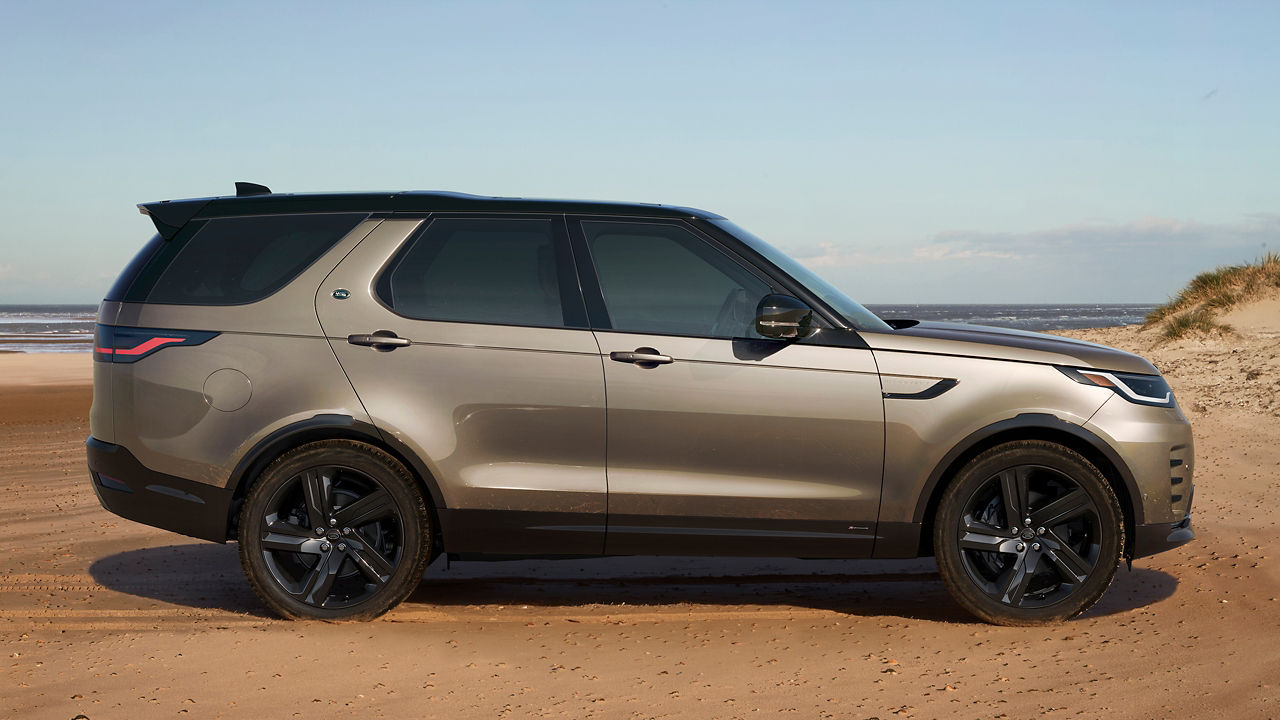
pixel 1260 318
pixel 41 370
pixel 106 618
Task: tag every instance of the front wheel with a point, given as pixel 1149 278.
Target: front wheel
pixel 334 530
pixel 1028 533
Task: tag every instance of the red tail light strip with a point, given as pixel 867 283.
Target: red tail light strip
pixel 112 344
pixel 145 347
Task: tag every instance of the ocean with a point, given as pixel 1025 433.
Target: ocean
pixel 69 328
pixel 47 328
pixel 1036 318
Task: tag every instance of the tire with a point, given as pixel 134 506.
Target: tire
pixel 334 530
pixel 1007 573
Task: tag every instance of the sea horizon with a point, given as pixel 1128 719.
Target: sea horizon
pixel 40 328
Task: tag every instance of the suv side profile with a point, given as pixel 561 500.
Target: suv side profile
pixel 350 385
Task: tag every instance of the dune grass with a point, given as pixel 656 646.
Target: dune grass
pixel 1194 309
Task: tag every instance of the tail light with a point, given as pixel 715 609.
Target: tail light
pixel 128 344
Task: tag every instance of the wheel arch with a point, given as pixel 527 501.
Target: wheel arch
pixel 324 427
pixel 1031 426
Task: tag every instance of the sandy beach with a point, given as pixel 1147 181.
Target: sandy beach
pixel 107 618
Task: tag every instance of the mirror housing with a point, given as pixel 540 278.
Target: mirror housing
pixel 782 317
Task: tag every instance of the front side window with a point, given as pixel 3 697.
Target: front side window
pixel 859 317
pixel 478 270
pixel 664 279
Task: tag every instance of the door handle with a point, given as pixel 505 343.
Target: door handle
pixel 380 340
pixel 645 357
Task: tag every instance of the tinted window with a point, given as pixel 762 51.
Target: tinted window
pixel 664 279
pixel 233 261
pixel 131 271
pixel 859 317
pixel 478 270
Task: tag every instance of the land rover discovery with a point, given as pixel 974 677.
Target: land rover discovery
pixel 350 385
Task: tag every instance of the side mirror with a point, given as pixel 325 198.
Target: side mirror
pixel 783 317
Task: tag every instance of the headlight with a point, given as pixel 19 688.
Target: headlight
pixel 1141 389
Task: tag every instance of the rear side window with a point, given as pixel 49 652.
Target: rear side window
pixel 234 261
pixel 480 270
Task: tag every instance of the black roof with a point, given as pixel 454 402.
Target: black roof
pixel 170 215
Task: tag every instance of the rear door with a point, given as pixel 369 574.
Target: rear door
pixel 466 339
pixel 721 441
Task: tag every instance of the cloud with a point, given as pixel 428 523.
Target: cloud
pixel 936 253
pixel 829 255
pixel 5 271
pixel 1150 232
pixel 1076 239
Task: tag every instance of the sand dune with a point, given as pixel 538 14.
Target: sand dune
pixel 1260 318
pixel 106 618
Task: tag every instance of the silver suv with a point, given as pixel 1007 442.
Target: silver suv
pixel 352 384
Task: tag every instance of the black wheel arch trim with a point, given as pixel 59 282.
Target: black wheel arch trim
pixel 1029 421
pixel 897 544
pixel 324 427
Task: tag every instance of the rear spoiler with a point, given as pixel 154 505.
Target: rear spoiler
pixel 170 215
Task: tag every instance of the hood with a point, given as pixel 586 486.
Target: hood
pixel 1004 344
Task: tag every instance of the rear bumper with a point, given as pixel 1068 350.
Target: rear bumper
pixel 131 490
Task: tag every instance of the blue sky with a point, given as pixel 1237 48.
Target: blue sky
pixel 910 152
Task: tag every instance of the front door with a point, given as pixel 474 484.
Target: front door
pixel 466 339
pixel 721 441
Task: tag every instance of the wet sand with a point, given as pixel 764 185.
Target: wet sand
pixel 106 618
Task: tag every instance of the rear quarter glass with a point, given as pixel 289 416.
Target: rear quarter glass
pixel 236 260
pixel 120 288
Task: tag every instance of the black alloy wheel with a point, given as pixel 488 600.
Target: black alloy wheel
pixel 331 537
pixel 1042 557
pixel 1028 533
pixel 334 530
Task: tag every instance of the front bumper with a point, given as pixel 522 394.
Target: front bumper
pixel 1152 539
pixel 1157 537
pixel 1156 458
pixel 131 490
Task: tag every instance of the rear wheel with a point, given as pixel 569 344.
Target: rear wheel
pixel 334 530
pixel 1028 533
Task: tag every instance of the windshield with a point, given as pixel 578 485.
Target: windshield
pixel 859 317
